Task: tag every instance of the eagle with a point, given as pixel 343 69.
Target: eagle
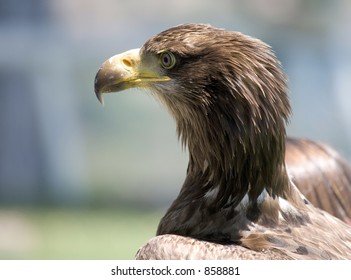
pixel 240 199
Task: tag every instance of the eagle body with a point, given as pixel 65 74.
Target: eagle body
pixel 229 98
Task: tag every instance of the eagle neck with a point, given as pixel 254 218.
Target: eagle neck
pixel 229 174
pixel 235 155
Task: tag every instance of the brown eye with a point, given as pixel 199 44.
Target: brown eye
pixel 167 60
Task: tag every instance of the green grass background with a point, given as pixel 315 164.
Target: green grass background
pixel 48 233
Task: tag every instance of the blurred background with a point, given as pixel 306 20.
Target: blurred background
pixel 82 181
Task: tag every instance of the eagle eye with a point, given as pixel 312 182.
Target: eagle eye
pixel 167 60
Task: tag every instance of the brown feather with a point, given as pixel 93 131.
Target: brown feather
pixel 176 247
pixel 322 175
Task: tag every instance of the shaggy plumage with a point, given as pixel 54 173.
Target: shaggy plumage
pixel 229 98
pixel 321 174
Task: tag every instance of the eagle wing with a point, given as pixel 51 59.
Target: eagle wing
pixel 322 175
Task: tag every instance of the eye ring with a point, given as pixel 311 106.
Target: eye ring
pixel 167 60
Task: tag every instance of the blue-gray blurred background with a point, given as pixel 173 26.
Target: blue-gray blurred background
pixel 78 180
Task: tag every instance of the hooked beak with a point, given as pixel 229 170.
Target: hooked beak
pixel 126 70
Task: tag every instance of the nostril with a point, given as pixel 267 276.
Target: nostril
pixel 127 62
